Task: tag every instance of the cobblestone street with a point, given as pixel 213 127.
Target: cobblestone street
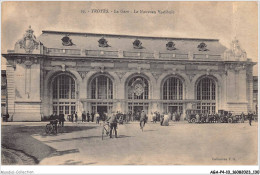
pixel 177 144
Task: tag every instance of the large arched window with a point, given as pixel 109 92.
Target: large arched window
pixel 137 91
pixel 206 93
pixel 63 94
pixel 138 88
pixel 172 89
pixel 102 88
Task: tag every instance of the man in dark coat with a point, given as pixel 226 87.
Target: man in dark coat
pixel 76 117
pixel 242 117
pixel 92 116
pixel 112 119
pixel 7 117
pixel 88 116
pixel 83 116
pixel 61 119
pixel 250 117
pixel 52 117
pixel 72 117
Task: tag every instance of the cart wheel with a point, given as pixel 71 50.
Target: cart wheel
pixel 193 120
pixel 48 128
pixel 230 120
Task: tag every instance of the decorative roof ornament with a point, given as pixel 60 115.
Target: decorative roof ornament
pixel 202 47
pixel 235 52
pixel 66 41
pixel 102 42
pixel 29 42
pixel 170 46
pixel 236 49
pixel 137 44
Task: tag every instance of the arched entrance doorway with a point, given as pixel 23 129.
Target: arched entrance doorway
pixel 137 95
pixel 172 94
pixel 206 93
pixel 63 95
pixel 101 94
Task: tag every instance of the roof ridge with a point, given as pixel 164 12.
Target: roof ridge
pixel 127 36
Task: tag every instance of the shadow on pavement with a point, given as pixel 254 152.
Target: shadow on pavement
pixel 61 153
pixel 72 139
pixel 68 129
pixel 19 137
pixel 73 162
pixel 149 130
pixel 123 136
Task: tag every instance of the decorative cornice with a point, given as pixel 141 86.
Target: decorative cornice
pixel 191 76
pixel 120 75
pixel 27 61
pixel 156 75
pixel 83 74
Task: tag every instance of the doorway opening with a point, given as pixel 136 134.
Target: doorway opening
pixel 136 108
pixel 173 109
pixel 102 110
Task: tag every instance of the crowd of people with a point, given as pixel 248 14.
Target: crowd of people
pixel 118 117
pixel 122 117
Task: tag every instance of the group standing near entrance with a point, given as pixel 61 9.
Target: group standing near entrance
pixel 115 118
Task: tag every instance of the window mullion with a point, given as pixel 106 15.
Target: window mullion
pixel 97 88
pixel 177 88
pixel 168 93
pixel 107 87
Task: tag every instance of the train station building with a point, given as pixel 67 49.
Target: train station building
pixel 67 72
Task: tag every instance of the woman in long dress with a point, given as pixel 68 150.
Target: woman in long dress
pixel 166 119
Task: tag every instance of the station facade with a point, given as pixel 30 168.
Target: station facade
pixel 67 72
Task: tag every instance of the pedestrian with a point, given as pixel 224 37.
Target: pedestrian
pixel 207 118
pixel 197 118
pixel 174 116
pixel 72 117
pixel 112 119
pixel 56 117
pixel 76 117
pixel 166 119
pixel 158 116
pixel 250 117
pixel 7 117
pixel 143 118
pixel 83 116
pixel 97 117
pixel 88 116
pixel 242 117
pixel 154 117
pixel 178 116
pixel 105 116
pixel 92 116
pixel 52 117
pixel 161 118
pixel 61 119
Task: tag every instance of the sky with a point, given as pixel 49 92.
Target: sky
pixel 218 20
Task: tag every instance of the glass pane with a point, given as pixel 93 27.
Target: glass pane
pixel 67 111
pixel 102 88
pixel 172 89
pixel 61 108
